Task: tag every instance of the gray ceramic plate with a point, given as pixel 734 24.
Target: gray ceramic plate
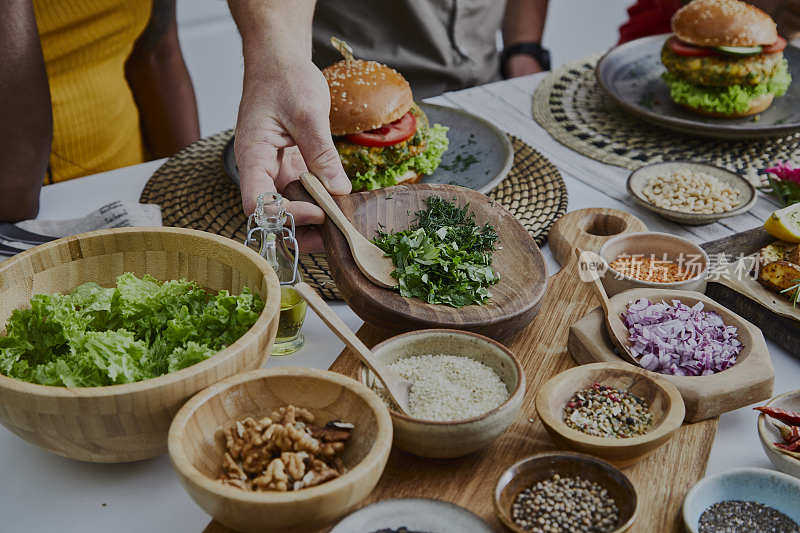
pixel 639 178
pixel 415 514
pixel 631 75
pixel 479 157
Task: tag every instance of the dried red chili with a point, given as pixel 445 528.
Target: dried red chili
pixel 793 447
pixel 787 417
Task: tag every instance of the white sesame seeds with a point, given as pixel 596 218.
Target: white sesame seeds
pixel 449 387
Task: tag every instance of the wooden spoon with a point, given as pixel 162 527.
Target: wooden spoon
pixel 369 259
pixel 614 326
pixel 396 386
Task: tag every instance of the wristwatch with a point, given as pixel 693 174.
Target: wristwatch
pixel 535 50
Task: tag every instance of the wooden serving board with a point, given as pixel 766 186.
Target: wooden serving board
pixel 748 298
pixel 662 479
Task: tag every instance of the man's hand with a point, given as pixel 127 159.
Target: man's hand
pixel 283 128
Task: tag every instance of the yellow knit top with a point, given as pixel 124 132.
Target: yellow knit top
pixel 95 120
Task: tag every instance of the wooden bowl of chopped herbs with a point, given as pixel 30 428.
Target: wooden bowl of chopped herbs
pixel 611 410
pixel 461 260
pixel 108 333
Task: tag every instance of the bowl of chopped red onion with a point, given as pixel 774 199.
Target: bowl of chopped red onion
pixel 718 360
pixel 682 336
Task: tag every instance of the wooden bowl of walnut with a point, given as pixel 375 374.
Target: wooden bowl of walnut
pixel 198 444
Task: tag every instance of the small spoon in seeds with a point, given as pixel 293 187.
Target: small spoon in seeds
pixel 397 387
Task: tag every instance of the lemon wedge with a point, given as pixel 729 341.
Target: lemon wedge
pixel 784 224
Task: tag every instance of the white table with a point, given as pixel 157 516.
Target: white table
pixel 42 492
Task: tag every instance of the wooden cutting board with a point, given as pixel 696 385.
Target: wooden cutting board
pixel 662 479
pixel 759 305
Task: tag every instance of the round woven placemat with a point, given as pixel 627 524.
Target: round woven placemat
pixel 574 109
pixel 194 191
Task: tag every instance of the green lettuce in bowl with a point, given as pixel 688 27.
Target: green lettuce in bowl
pixel 140 329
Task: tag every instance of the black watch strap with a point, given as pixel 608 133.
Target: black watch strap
pixel 535 50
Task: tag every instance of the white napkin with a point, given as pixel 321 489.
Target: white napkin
pixel 119 214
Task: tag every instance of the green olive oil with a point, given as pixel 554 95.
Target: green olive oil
pixel 293 314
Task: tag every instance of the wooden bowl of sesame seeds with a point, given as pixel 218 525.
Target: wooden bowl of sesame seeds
pixel 483 360
pixel 610 410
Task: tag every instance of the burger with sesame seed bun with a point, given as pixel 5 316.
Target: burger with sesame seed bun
pixel 382 136
pixel 725 59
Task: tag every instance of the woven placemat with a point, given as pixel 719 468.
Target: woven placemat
pixel 194 191
pixel 574 109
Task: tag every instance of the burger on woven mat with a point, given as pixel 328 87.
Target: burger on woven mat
pixel 382 136
pixel 725 59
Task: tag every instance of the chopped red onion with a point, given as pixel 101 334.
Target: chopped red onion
pixel 680 340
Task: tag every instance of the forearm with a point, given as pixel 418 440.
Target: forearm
pixel 524 21
pixel 27 125
pixel 162 87
pixel 275 33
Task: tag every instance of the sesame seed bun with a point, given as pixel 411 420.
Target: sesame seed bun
pixel 723 23
pixel 757 105
pixel 365 95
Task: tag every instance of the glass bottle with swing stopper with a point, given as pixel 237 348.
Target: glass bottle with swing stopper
pixel 267 224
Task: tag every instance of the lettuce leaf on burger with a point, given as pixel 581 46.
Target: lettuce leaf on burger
pixel 725 59
pixel 383 138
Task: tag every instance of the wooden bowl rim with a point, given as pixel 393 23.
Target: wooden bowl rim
pixel 673 418
pixel 380 447
pixel 519 390
pixel 761 425
pixel 708 305
pixel 654 284
pixel 572 456
pixel 473 197
pixel 171 378
pixel 746 205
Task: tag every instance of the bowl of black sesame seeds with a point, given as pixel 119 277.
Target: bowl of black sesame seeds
pixel 558 492
pixel 610 410
pixel 744 500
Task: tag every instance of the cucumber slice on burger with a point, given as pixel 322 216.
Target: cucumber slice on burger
pixel 740 50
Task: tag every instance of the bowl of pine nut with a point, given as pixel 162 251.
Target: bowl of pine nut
pixel 691 193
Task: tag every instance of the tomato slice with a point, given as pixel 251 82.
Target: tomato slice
pixel 685 49
pixel 395 132
pixel 775 47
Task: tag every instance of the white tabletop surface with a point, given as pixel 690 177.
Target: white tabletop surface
pixel 43 492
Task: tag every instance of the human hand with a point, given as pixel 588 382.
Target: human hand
pixel 283 130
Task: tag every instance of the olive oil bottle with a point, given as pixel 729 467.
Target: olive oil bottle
pixel 293 314
pixel 271 217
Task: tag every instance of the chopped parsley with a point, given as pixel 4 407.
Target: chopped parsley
pixel 444 257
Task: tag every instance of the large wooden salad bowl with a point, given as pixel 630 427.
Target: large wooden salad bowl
pixel 515 298
pixel 129 422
